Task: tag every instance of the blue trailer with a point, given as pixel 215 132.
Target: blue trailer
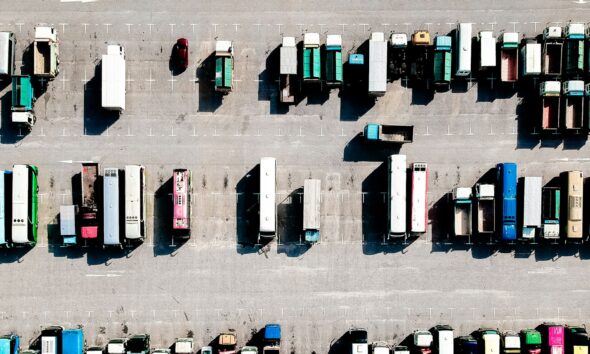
pixel 506 177
pixel 72 341
pixel 9 344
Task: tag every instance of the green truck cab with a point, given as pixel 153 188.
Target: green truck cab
pixel 22 102
pixel 224 67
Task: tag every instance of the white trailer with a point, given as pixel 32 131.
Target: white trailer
pixel 268 208
pixel 377 64
pixel 419 209
pixel 113 79
pixel 67 223
pixel 311 209
pixel 531 54
pixel 396 196
pixel 531 221
pixel 487 50
pixel 464 34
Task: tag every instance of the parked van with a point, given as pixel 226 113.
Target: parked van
pixel 7 56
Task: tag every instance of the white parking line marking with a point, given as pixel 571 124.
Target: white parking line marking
pixel 107 25
pixel 129 79
pixel 236 26
pixel 214 27
pixel 85 25
pixel 193 27
pixel 20 26
pixel 150 80
pixel 278 24
pixel 129 27
pixel 150 26
pixel 63 80
pixel 63 27
pixel 172 28
pixel 172 80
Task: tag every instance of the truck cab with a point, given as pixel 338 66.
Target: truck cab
pixel 422 342
pixel 510 343
pixel 23 99
pixel 249 349
pixel 576 340
pixel 466 345
pixel 380 348
pixel 531 341
pixel 183 346
pixel 488 340
pixel 398 46
pixel 116 346
pixel 207 350
pixel 272 339
pixel 9 344
pixel 95 350
pixel 227 343
pixel 443 339
pixel 138 344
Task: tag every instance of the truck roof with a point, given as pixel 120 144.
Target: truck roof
pixel 115 49
pixel 289 42
pixel 443 42
pixel 462 193
pixel 422 338
pixel 485 190
pixel 377 63
pixel 575 30
pixel 43 32
pixel 311 40
pixel 5 346
pixel 377 36
pixel 222 47
pixel 532 201
pixel 334 40
pixel 421 38
pixel 510 38
pixel 573 86
pixel 67 220
pixel 511 341
pixel 550 88
pixel 273 331
pixel 552 32
pixel 72 341
pixel 183 346
pixel 399 40
pixel 288 65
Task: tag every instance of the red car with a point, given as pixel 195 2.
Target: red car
pixel 181 53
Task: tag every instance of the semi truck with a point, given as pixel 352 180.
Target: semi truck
pixel 224 67
pixel 550 212
pixel 550 93
pixel 509 57
pixel 358 341
pixel 531 213
pixel 574 49
pixel 398 55
pixel 488 340
pixel 573 105
pixel 272 339
pixel 487 50
pixel 377 64
pixel 288 70
pixel 72 341
pixel 312 62
pixel 531 57
pixel 484 195
pixel 576 340
pixel 462 207
pixel 531 341
pixel 46 53
pixel 89 205
pixel 420 47
pixel 23 98
pixel 311 210
pixel 113 79
pixel 552 51
pixel 442 62
pixel 398 134
pixel 334 60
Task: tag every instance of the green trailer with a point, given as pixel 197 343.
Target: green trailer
pixel 312 65
pixel 224 67
pixel 23 99
pixel 574 49
pixel 442 62
pixel 334 60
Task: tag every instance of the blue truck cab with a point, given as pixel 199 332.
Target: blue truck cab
pixel 9 344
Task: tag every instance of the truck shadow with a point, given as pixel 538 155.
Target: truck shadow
pixel 96 119
pixel 354 99
pixel 267 79
pixel 358 149
pixel 209 100
pixel 14 255
pixel 55 242
pixel 528 128
pixel 340 345
pixel 290 218
pixel 247 208
pixel 257 339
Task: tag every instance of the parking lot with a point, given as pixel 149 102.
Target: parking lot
pixel 217 280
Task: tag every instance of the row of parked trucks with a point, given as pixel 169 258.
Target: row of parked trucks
pixel 497 212
pixel 565 107
pixel 59 340
pixel 548 338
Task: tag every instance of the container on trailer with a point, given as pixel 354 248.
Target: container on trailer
pixel 464 37
pixel 377 64
pixel 113 78
pixel 224 66
pixel 72 341
pixel 531 215
pixel 442 62
pixel 531 56
pixel 487 50
pixel 7 54
pixel 443 339
pixel 183 346
pixel 67 224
